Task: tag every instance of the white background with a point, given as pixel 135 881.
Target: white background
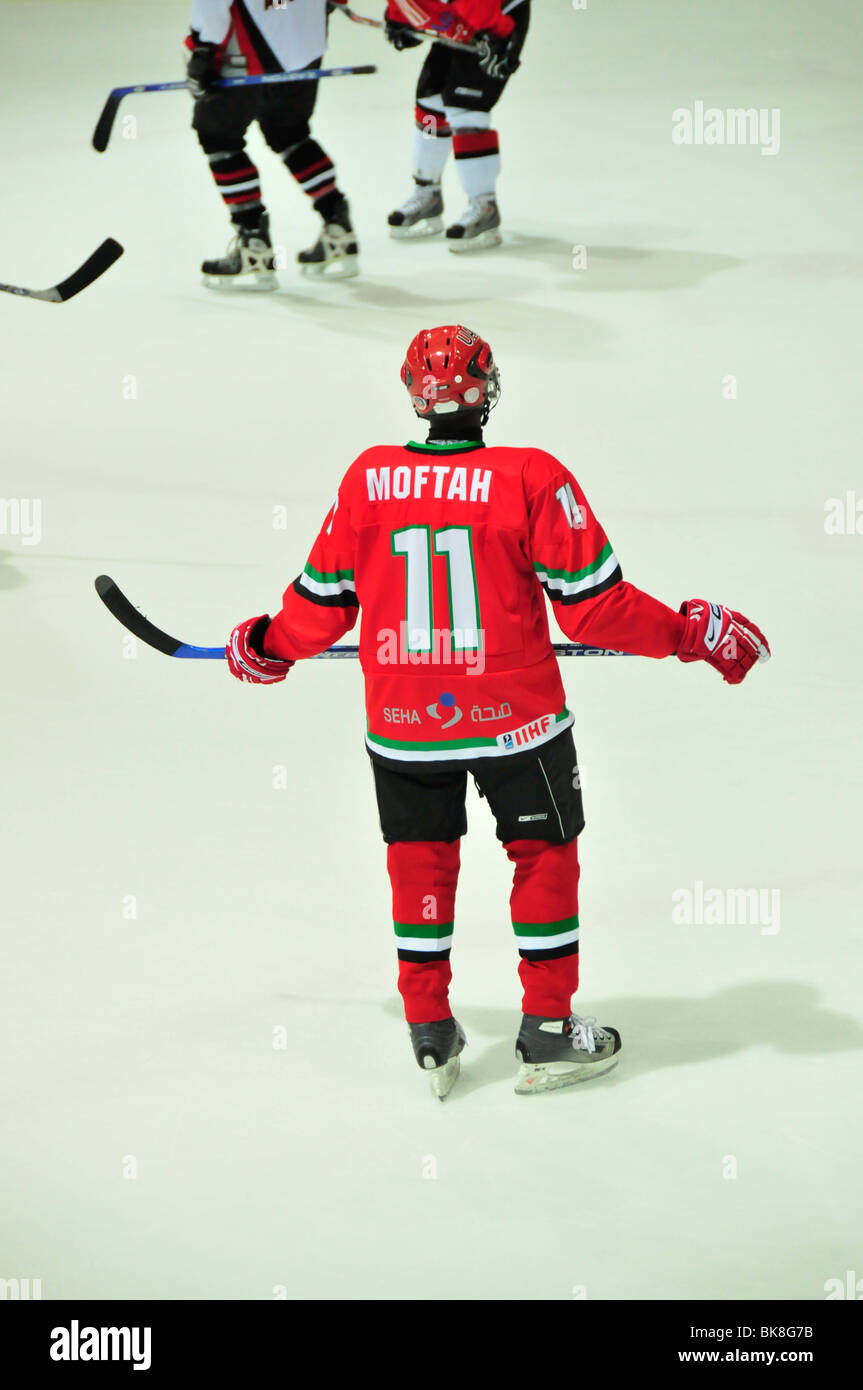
pixel 260 909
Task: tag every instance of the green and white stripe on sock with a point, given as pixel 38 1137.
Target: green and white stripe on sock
pixel 547 940
pixel 421 941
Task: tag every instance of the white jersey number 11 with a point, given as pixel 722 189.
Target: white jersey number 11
pixel 417 544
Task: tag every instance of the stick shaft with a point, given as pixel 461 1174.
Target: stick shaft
pixel 134 621
pixel 256 79
pixel 420 33
pixel 105 123
pixel 560 649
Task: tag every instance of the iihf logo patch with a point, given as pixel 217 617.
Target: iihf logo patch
pixel 446 705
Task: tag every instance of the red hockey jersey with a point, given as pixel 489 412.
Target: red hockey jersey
pixel 456 19
pixel 448 550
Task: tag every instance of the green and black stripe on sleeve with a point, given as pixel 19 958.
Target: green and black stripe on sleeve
pixel 574 586
pixel 333 590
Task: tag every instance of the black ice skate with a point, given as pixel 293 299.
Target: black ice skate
pixel 560 1052
pixel 420 216
pixel 436 1048
pixel 249 253
pixel 335 254
pixel 477 229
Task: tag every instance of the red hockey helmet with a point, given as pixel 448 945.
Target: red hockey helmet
pixel 450 369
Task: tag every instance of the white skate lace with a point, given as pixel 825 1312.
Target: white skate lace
pixel 476 211
pixel 586 1033
pixel 236 246
pixel 422 199
pixel 335 239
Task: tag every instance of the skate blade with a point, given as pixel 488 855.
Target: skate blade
pixel 535 1078
pixel 426 227
pixel 484 242
pixel 345 268
pixel 443 1078
pixel 258 282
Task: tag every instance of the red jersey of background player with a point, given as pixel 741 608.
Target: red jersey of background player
pixel 449 549
pixel 459 20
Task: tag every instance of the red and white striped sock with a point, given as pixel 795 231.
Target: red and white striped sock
pixel 432 142
pixel 477 159
pixel 315 172
pixel 239 183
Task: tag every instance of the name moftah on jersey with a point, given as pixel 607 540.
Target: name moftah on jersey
pixel 258 36
pixel 449 551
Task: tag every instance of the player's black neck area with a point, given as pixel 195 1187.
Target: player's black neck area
pixel 442 433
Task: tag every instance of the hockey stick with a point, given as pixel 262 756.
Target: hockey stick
pixel 105 123
pixel 100 261
pixel 134 621
pixel 420 33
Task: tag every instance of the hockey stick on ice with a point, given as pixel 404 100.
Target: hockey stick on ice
pixel 420 33
pixel 134 621
pixel 105 123
pixel 100 261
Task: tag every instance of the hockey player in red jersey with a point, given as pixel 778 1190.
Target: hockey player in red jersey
pixel 450 548
pixel 234 38
pixel 456 93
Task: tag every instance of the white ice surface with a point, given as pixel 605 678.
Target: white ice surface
pixel 260 909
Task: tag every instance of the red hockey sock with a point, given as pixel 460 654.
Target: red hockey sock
pixel 544 905
pixel 424 876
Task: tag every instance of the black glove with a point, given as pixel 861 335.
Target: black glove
pixel 201 70
pixel 497 57
pixel 401 35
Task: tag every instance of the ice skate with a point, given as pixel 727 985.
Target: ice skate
pixel 335 254
pixel 436 1048
pixel 560 1052
pixel 477 229
pixel 421 216
pixel 249 253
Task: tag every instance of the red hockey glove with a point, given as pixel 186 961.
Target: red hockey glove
pixel 245 656
pixel 722 638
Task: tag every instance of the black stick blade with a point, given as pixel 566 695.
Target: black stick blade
pixel 105 123
pixel 101 260
pixel 134 621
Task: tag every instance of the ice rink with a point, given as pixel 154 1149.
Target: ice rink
pixel 208 1089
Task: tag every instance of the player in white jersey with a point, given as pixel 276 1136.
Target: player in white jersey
pixel 234 38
